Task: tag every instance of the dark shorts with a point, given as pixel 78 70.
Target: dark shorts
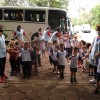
pixel 55 63
pixel 98 77
pixel 73 69
pixel 50 59
pixel 69 52
pixel 61 67
pixel 91 66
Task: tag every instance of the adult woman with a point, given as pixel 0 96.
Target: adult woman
pixel 92 54
pixel 2 56
pixel 37 34
pixel 56 35
pixel 19 33
pixel 46 35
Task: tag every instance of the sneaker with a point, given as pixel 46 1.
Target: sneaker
pixel 57 73
pixel 93 81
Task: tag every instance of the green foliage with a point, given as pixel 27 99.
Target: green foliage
pixel 51 3
pixel 95 15
pixel 43 3
pixel 92 17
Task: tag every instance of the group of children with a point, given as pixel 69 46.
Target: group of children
pixel 23 54
pixel 28 54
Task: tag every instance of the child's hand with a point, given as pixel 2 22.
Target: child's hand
pixel 97 54
pixel 83 58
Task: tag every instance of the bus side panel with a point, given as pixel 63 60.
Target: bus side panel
pixel 28 27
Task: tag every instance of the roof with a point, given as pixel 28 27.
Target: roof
pixel 30 7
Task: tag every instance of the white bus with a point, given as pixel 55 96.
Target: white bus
pixel 31 18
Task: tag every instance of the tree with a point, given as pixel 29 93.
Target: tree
pixel 16 3
pixel 45 3
pixel 95 15
pixel 51 3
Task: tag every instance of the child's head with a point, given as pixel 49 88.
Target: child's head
pixel 26 45
pixel 75 50
pixel 49 43
pixel 88 45
pixel 79 45
pixel 84 48
pixel 56 47
pixel 16 42
pixel 75 37
pixel 83 42
pixel 11 44
pixel 61 46
pixel 55 42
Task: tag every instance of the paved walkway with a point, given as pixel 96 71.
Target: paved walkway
pixel 47 86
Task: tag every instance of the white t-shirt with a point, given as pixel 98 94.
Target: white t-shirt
pixel 26 54
pixel 75 42
pixel 20 35
pixel 54 55
pixel 54 37
pixel 45 36
pixel 62 57
pixel 67 43
pixel 98 68
pixel 80 53
pixel 74 62
pixel 43 46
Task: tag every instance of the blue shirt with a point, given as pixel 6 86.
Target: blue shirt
pixel 2 46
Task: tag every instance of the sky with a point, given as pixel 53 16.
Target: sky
pixel 74 6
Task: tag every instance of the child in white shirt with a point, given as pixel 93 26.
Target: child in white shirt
pixel 49 48
pixel 26 60
pixel 61 60
pixel 54 58
pixel 73 64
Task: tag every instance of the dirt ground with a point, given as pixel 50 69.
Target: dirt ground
pixel 47 86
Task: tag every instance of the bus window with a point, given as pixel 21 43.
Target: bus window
pixel 16 15
pixel 54 18
pixel 0 14
pixel 36 16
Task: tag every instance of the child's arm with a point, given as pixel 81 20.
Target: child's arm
pixel 71 57
pixel 97 54
pixel 30 47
